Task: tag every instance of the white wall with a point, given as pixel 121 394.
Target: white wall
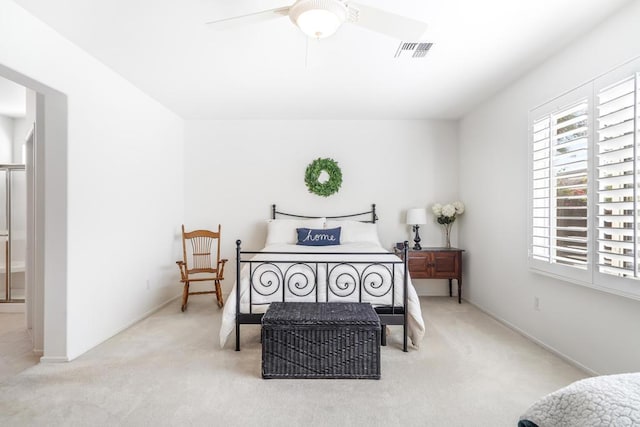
pixel 23 126
pixel 235 171
pixel 596 330
pixel 123 194
pixel 21 130
pixel 6 138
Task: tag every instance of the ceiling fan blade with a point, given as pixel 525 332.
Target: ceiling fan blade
pixel 251 18
pixel 388 23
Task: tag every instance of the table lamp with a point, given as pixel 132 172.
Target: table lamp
pixel 415 217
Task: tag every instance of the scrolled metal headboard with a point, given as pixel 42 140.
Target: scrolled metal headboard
pixel 371 213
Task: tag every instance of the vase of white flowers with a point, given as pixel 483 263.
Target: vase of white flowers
pixel 446 215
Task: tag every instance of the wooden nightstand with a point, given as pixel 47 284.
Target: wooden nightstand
pixel 436 263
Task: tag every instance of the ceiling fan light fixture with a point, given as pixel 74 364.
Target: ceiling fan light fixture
pixel 318 18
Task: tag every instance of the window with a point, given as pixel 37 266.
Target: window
pixel 560 158
pixel 584 215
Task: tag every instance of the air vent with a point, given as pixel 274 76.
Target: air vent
pixel 413 50
pixel 353 14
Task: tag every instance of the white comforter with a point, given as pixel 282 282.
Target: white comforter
pixel 415 323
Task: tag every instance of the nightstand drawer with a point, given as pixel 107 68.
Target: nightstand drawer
pixel 445 265
pixel 419 264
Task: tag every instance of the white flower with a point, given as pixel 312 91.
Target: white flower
pixel 437 209
pixel 448 210
pixel 459 206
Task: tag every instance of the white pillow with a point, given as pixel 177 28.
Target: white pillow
pixel 356 231
pixel 284 230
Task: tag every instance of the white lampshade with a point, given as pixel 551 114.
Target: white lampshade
pixel 416 216
pixel 318 18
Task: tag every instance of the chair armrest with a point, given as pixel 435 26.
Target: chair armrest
pixel 221 268
pixel 183 270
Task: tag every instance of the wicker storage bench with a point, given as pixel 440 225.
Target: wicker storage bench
pixel 320 340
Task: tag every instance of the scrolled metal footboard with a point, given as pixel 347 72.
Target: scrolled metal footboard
pixel 373 277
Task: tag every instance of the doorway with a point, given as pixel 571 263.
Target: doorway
pixel 46 276
pixel 16 128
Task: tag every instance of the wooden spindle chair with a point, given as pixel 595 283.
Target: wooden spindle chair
pixel 201 262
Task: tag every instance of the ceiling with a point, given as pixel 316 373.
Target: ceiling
pixel 13 99
pixel 270 70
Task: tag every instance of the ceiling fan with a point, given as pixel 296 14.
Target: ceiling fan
pixel 322 18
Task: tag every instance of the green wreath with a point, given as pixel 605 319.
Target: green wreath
pixel 315 168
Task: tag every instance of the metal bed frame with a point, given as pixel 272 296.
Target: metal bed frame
pixel 276 280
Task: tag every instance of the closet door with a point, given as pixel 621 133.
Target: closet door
pixel 12 233
pixel 18 233
pixel 5 292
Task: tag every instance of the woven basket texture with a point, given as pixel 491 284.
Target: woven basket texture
pixel 321 340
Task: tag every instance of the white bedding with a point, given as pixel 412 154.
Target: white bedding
pixel 610 400
pixel 415 323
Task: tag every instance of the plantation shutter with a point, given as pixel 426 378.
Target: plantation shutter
pixel 559 174
pixel 584 157
pixel 540 245
pixel 617 178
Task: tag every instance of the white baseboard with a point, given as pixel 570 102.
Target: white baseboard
pixel 547 347
pixel 44 359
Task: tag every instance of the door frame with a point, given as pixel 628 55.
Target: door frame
pixel 46 264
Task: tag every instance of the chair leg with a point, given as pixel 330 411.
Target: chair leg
pixel 185 296
pixel 219 294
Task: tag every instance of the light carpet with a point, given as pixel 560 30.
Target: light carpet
pixel 16 353
pixel 168 370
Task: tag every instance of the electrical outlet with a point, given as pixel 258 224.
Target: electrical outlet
pixel 536 303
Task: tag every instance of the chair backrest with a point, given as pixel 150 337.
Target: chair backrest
pixel 201 250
